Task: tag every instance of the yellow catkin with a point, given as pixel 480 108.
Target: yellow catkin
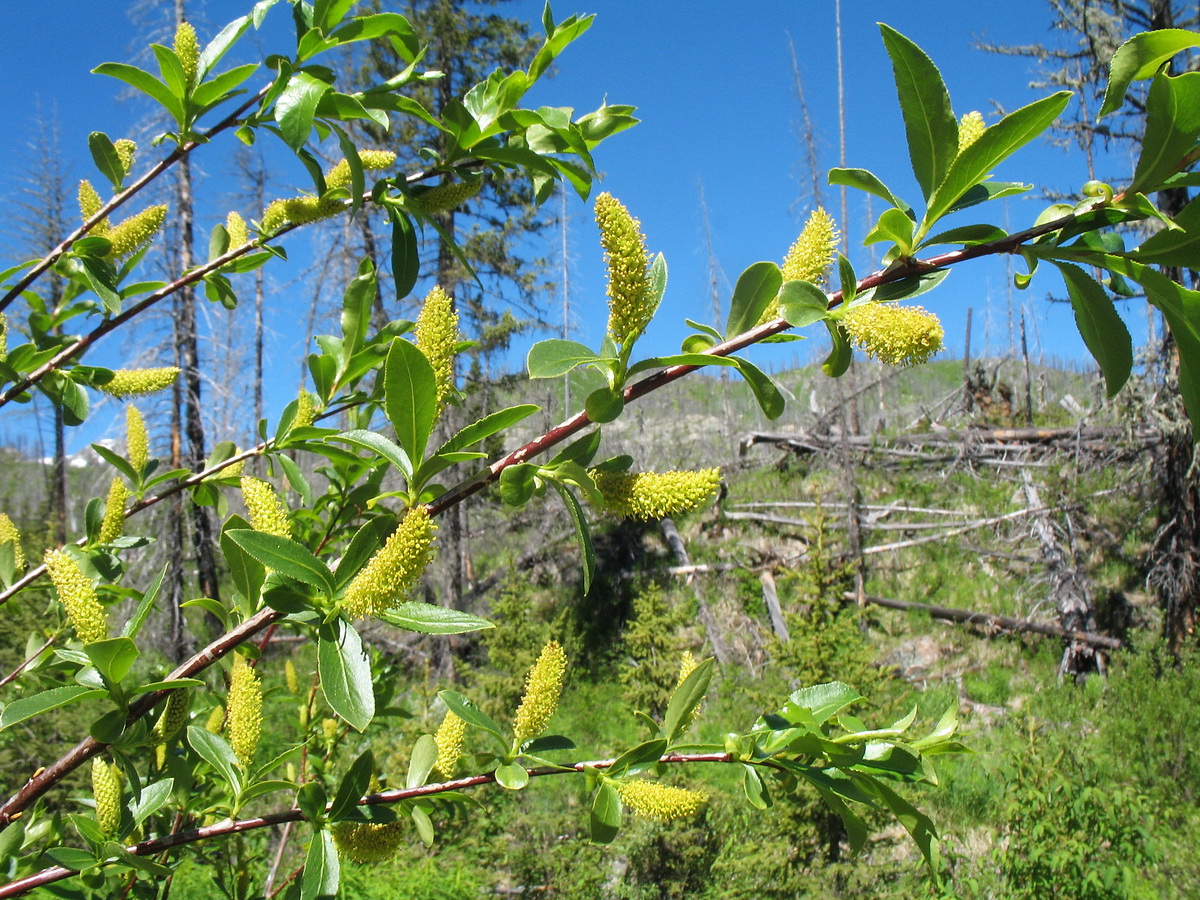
pixel 445 197
pixel 89 205
pixel 809 258
pixel 137 231
pixel 305 411
pixel 3 336
pixel 234 470
pixel 10 534
pixel 895 335
pixel 137 439
pixel 113 524
pixel 299 211
pixel 291 678
pixel 655 495
pixel 372 161
pixel 235 227
pixel 687 665
pixel 970 127
pixel 329 729
pixel 187 48
pixel 78 597
pixel 266 510
pixel 365 843
pixel 174 716
pixel 652 800
pixel 436 336
pixel 137 382
pixel 215 723
pixel 126 151
pixel 449 738
pixel 543 687
pixel 245 710
pixel 106 790
pixel 630 307
pixel 392 572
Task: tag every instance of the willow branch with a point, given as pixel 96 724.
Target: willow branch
pixel 120 199
pixel 287 816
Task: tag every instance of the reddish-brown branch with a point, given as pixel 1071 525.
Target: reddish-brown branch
pixel 240 826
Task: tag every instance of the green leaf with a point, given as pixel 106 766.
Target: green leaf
pixel 72 858
pixel 296 106
pixel 116 461
pixel 353 786
pixel 679 359
pixel 247 572
pixel 919 826
pixel 487 426
pixel 1172 126
pixel 996 144
pixel 1102 330
pixel 104 155
pixel 929 120
pixel 803 303
pixel 470 713
pixel 988 190
pixel 755 289
pixel 643 756
pixel 146 83
pixel 426 618
pixel 220 44
pixel 406 259
pixel 322 869
pixel 328 13
pixel 152 798
pixel 345 671
pixel 862 180
pixel 356 309
pixel 112 658
pixel 583 535
pixel 424 758
pixel 518 483
pixel 312 800
pixel 756 791
pixel 893 226
pixel 605 819
pixel 828 787
pixel 27 707
pixel 215 751
pixel 1141 57
pixel 286 557
pixel 604 405
pixel 848 280
pixel 770 400
pixel 686 699
pixel 822 701
pixel 1174 246
pixel 366 541
pixel 966 235
pixel 380 445
pixel 550 359
pixel 907 288
pixel 410 396
pixel 512 776
pixel 102 279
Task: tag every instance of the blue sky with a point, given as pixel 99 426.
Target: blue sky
pixel 714 87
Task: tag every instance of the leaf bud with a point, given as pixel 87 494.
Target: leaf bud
pixel 895 335
pixel 630 306
pixel 652 800
pixel 267 512
pixel 106 790
pixel 394 570
pixel 449 739
pixel 78 596
pixel 245 710
pixel 647 496
pixel 113 524
pixel 543 687
pixel 136 382
pixel 10 534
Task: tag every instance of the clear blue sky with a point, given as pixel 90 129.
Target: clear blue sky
pixel 714 88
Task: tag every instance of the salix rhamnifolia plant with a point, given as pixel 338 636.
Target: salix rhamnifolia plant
pixel 175 756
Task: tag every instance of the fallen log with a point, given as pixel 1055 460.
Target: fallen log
pixel 989 620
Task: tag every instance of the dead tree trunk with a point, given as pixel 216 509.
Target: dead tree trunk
pixel 1069 588
pixel 679 550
